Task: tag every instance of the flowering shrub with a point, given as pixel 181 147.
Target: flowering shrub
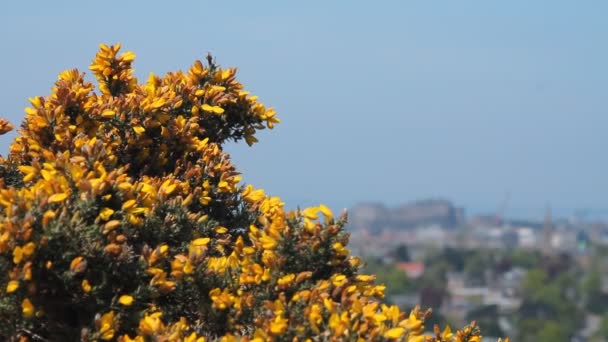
pixel 123 219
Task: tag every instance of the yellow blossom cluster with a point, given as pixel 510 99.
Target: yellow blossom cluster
pixel 122 218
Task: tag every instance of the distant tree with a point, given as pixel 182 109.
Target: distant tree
pixel 557 264
pixel 455 257
pixel 401 253
pixel 395 279
pixel 432 286
pixel 545 301
pixel 552 331
pixel 504 264
pixel 475 268
pixel 596 301
pixel 525 258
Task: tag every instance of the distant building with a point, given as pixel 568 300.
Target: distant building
pixel 582 241
pixel 376 218
pixel 412 269
pixel 509 239
pixel 428 212
pixel 547 237
pixel 526 237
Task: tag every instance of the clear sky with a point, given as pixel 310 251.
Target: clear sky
pixel 387 101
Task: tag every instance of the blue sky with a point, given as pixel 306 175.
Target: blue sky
pixel 389 101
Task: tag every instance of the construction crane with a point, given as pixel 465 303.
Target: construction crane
pixel 502 208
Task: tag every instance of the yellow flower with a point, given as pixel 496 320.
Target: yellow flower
pixel 253 196
pixel 127 338
pixel 413 324
pixel 365 278
pixel 188 269
pixel 108 113
pixel 12 286
pixel 315 317
pixel 139 130
pixel 105 214
pixel 78 265
pixel 56 198
pixel 129 204
pixel 48 216
pixel 29 172
pixel 310 213
pixel 447 333
pixel 127 56
pixel 268 242
pixel 167 187
pixel 391 312
pixel 106 326
pixel 5 126
pixel 193 338
pixel 309 225
pixel 221 299
pixel 394 333
pixel 340 250
pixel 223 186
pixel 279 325
pixel 329 304
pixel 17 255
pixel 163 249
pixel 126 300
pixel 226 73
pixel 86 287
pixel 326 212
pixel 201 144
pixel 47 175
pixel 151 324
pixel 198 246
pixel 338 323
pixel 27 308
pixel 339 280
pixel 212 109
pixel 286 281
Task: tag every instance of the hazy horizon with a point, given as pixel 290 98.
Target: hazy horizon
pixel 388 103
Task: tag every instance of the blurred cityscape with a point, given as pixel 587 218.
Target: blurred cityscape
pixel 531 280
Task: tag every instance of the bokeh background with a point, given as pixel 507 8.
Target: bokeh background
pixel 477 125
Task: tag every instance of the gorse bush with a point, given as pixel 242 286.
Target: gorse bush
pixel 122 218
